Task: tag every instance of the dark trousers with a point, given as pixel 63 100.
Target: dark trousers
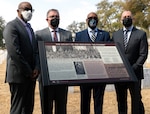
pixel 22 97
pixel 121 91
pixel 98 93
pixel 54 94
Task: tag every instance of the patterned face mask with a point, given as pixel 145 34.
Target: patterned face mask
pixel 92 23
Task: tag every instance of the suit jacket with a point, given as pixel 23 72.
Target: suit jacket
pixel 136 50
pixel 45 35
pixel 22 54
pixel 83 36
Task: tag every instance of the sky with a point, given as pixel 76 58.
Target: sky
pixel 70 10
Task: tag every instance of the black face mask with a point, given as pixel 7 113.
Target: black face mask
pixel 92 23
pixel 127 22
pixel 54 22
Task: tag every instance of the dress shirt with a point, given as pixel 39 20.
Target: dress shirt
pixel 52 33
pixel 128 33
pixel 90 32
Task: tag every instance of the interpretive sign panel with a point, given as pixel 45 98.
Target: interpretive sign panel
pixel 79 63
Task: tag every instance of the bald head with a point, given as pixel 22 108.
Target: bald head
pixel 92 20
pixel 23 9
pixel 126 19
pixel 92 14
pixel 24 4
pixel 126 14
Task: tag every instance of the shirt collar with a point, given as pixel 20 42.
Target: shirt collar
pixel 89 29
pixel 129 29
pixel 53 29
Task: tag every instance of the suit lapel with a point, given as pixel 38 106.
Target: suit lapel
pixel 132 38
pixel 121 37
pixel 99 35
pixel 47 34
pixel 86 36
pixel 62 36
pixel 23 29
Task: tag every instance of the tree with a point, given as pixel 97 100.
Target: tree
pixel 109 15
pixel 76 27
pixel 2 25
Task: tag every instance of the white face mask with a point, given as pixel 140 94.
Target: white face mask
pixel 27 15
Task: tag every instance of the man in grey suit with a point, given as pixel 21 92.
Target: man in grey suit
pixel 22 60
pixel 57 93
pixel 135 47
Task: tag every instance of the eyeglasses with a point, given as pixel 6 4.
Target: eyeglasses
pixel 27 9
pixel 54 16
pixel 92 18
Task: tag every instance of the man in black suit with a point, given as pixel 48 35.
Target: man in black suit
pixel 135 48
pixel 53 94
pixel 22 60
pixel 87 35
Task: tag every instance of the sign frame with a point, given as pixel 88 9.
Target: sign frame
pixel 45 72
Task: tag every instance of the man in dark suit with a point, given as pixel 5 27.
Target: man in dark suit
pixel 22 60
pixel 57 93
pixel 135 48
pixel 92 34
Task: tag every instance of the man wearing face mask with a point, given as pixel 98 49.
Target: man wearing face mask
pixel 22 60
pixel 135 47
pixel 92 34
pixel 53 94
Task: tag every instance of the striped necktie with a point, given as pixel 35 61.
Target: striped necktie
pixel 93 37
pixel 126 38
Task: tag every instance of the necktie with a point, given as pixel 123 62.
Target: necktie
pixel 126 38
pixel 55 36
pixel 28 28
pixel 93 37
